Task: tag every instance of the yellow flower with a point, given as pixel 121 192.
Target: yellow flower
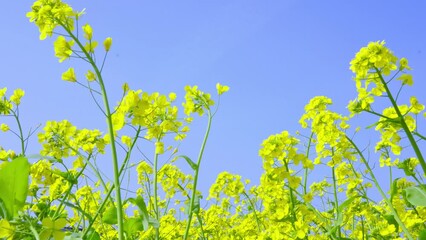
pixel 107 43
pixel 416 107
pixel 17 95
pixel 125 87
pixel 126 140
pixel 63 48
pixel 48 14
pixel 90 46
pixel 172 96
pixel 2 92
pixel 69 75
pixel 221 89
pixel 403 64
pixel 308 197
pixel 406 79
pixel 4 127
pixel 90 76
pixel 53 228
pixel 88 31
pixel 159 148
pixel 78 163
pixel 6 230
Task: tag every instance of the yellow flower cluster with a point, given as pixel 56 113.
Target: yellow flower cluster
pixel 374 56
pixel 49 14
pixel 153 111
pixel 290 201
pixel 197 101
pixel 6 105
pixel 228 184
pixel 62 139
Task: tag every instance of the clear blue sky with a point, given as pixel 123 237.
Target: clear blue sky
pixel 275 56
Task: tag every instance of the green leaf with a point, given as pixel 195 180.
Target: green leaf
pixel 406 166
pixel 190 162
pixel 67 176
pixel 140 203
pixel 79 209
pixel 416 195
pixel 391 220
pixel 133 225
pixel 153 222
pixel 394 189
pixel 14 185
pixel 341 208
pixel 110 215
pixel 372 125
pixel 3 211
pixel 74 236
pixel 92 235
pixel 422 235
pixel 196 207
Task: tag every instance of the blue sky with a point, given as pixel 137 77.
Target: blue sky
pixel 275 56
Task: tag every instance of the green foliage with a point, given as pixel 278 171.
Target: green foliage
pixel 14 186
pixel 416 195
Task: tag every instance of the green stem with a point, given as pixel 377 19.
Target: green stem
pixel 197 170
pixel 323 219
pixel 58 211
pixel 403 124
pixel 382 193
pixel 254 211
pixel 200 221
pixel 21 135
pixel 112 187
pixel 118 202
pixel 305 175
pixel 98 212
pixel 157 215
pixel 336 201
pixel 292 203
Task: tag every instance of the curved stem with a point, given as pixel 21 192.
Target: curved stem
pixel 197 170
pixel 403 124
pixel 118 202
pixel 113 186
pixel 201 226
pixel 382 193
pixel 72 183
pixel 292 203
pixel 305 175
pixel 254 211
pixel 21 135
pixel 336 200
pixel 157 215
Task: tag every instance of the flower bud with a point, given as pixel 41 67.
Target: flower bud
pixel 107 43
pixel 69 75
pixel 88 32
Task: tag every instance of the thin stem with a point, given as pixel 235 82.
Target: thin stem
pixel 305 177
pixel 382 193
pixel 58 211
pixel 197 170
pixel 292 203
pixel 118 202
pixel 336 201
pixel 404 124
pixel 254 211
pixel 113 186
pixel 200 221
pixel 21 135
pixel 157 215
